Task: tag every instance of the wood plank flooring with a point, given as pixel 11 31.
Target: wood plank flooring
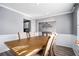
pixel 59 51
pixel 63 51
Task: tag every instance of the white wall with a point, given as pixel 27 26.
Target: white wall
pixel 63 23
pixel 33 26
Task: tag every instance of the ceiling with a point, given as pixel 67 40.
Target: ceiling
pixel 41 10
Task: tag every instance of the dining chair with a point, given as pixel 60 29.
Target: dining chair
pixel 49 44
pixel 52 47
pixel 47 50
pixel 46 33
pixel 32 34
pixel 28 34
pixel 22 35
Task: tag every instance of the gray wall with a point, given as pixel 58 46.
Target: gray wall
pixel 10 22
pixel 74 21
pixel 63 23
pixel 75 26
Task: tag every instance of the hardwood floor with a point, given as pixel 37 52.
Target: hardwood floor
pixel 63 51
pixel 59 51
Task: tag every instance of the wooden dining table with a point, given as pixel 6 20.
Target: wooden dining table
pixel 25 46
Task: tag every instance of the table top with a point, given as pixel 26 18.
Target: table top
pixel 26 45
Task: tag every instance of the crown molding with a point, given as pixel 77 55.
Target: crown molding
pixel 38 17
pixel 52 15
pixel 19 12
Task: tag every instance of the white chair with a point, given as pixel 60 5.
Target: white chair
pixel 46 33
pixel 32 34
pixel 49 44
pixel 22 35
pixel 52 52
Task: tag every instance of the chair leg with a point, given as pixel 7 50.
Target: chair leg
pixel 28 35
pixel 52 51
pixel 19 36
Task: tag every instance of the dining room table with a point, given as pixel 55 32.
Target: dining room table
pixel 27 45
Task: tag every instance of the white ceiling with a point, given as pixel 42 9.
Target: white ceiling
pixel 40 10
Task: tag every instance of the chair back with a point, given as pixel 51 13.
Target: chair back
pixel 32 34
pixel 49 44
pixel 22 35
pixel 46 33
pixel 52 47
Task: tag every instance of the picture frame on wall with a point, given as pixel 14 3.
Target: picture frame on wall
pixel 49 26
pixel 27 25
